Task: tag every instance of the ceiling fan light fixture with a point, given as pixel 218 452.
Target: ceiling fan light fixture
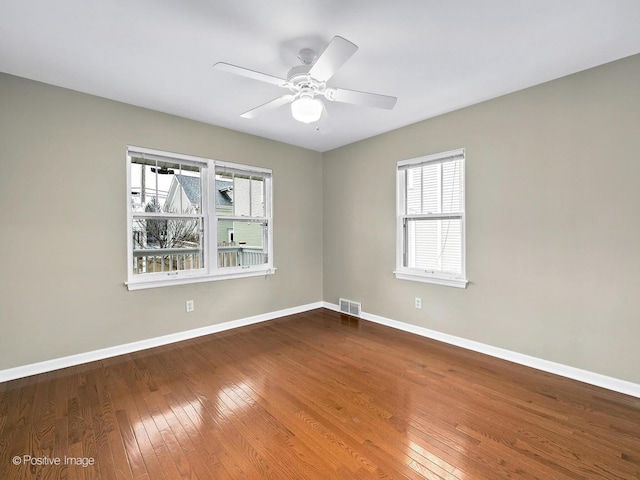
pixel 306 109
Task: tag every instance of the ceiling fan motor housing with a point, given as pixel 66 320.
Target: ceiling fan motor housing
pixel 301 83
pixel 297 72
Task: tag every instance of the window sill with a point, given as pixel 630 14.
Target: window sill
pixel 156 283
pixel 449 282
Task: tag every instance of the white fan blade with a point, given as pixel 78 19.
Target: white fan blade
pixel 360 98
pixel 272 105
pixel 337 52
pixel 245 72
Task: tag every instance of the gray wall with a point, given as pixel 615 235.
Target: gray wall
pixel 63 225
pixel 553 222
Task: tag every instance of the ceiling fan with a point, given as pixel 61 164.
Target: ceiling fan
pixel 307 82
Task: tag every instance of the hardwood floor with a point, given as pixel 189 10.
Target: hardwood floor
pixel 314 396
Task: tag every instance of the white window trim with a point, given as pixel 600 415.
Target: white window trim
pixel 210 271
pixel 415 274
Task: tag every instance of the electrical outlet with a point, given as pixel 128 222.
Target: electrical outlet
pixel 189 306
pixel 418 302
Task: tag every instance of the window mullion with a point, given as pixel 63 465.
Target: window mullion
pixel 181 206
pixel 211 255
pixel 404 180
pixel 235 193
pixel 162 215
pixel 157 180
pixel 440 191
pixel 406 242
pixel 250 196
pixel 435 216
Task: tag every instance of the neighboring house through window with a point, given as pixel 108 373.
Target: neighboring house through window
pixel 193 219
pixel 431 219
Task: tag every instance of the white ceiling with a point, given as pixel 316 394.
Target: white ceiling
pixel 435 56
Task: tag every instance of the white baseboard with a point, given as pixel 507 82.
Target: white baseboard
pixel 585 376
pixel 71 360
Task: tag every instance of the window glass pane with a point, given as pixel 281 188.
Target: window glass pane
pixel 257 197
pixel 164 186
pixel 167 232
pixel 185 193
pixel 414 191
pixel 242 196
pixel 434 245
pixel 224 194
pixel 164 245
pixel 431 175
pixel 147 193
pixel 241 243
pixel 451 187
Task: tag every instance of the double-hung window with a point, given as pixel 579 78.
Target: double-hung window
pixel 192 219
pixel 431 219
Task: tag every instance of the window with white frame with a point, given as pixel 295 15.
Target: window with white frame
pixel 193 219
pixel 431 219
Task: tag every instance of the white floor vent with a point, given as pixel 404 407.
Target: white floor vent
pixel 349 307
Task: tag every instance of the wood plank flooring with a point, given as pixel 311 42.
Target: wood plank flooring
pixel 314 396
